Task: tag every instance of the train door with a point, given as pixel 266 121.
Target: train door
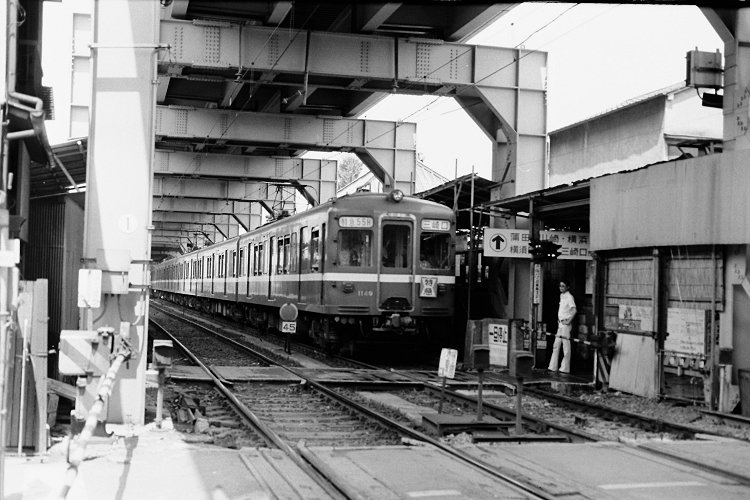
pixel 395 283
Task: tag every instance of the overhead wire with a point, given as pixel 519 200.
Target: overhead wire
pixel 411 85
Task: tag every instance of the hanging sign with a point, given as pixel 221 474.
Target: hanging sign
pixel 515 243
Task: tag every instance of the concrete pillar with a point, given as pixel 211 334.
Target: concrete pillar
pixel 118 197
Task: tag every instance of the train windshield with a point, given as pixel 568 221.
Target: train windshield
pixel 396 245
pixel 355 247
pixel 434 250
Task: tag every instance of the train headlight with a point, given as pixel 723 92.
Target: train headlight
pixel 397 195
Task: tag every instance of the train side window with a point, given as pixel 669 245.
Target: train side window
pixel 241 262
pixel 293 254
pixel 287 256
pixel 272 255
pixel 355 247
pixel 304 237
pixel 249 258
pixel 281 256
pixel 315 249
pixel 234 264
pixel 262 266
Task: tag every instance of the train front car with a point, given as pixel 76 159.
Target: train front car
pixel 392 278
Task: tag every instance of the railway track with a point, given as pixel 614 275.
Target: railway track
pixel 546 411
pixel 283 418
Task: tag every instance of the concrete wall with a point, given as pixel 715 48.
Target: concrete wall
pixel 686 116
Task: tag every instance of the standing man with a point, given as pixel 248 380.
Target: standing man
pixel 565 314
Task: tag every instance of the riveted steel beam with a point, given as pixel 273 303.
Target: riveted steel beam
pixel 503 89
pixel 257 53
pixel 386 145
pixel 252 213
pixel 314 178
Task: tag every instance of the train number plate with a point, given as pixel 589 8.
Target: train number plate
pixel 288 327
pixel 429 287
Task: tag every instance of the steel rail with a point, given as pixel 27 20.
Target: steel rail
pixel 495 409
pixel 656 424
pixel 269 435
pixel 402 429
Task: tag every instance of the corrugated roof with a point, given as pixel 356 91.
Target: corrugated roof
pixel 51 179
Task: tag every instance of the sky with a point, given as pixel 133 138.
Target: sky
pixel 599 55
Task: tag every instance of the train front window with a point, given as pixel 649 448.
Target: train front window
pixel 434 250
pixel 396 244
pixel 355 247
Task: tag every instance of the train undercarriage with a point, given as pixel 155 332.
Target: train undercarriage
pixel 350 334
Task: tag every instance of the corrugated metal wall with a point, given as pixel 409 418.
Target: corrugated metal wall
pixel 700 201
pixel 54 250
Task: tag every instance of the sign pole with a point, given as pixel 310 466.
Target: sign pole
pixel 519 395
pixel 447 369
pixel 442 396
pixel 288 313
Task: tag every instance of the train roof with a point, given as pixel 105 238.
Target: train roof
pixel 352 200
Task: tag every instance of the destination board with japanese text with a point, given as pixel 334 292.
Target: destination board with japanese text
pixel 515 243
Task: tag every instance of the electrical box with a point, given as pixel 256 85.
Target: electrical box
pixel 481 356
pixel 84 352
pixel 89 288
pixel 161 355
pixel 521 364
pixel 704 69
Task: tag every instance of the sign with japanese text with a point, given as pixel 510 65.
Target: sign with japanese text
pixel 687 330
pixel 497 336
pixel 448 358
pixel 515 243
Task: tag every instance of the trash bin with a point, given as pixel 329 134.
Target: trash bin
pixel 744 376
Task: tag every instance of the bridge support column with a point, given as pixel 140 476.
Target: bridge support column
pixel 118 197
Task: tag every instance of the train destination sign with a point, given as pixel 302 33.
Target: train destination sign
pixel 349 221
pixel 515 243
pixel 436 225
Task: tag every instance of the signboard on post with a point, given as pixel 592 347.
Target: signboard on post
pixel 288 313
pixel 448 359
pixel 515 243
